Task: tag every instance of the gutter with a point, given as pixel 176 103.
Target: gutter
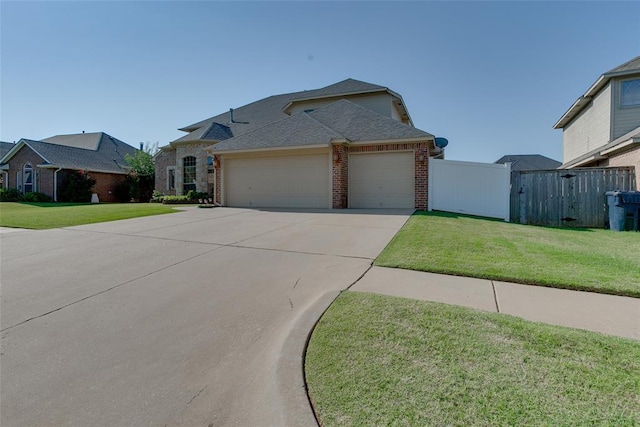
pixel 55 184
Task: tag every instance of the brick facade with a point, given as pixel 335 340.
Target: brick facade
pixel 340 176
pixel 339 163
pixel 198 151
pixel 44 177
pixel 105 186
pixel 217 160
pixel 163 160
pixel 340 170
pixel 630 157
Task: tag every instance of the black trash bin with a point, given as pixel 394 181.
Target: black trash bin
pixel 624 210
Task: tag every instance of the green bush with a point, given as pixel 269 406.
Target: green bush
pixel 75 186
pixel 10 195
pixel 35 197
pixel 176 200
pixel 157 197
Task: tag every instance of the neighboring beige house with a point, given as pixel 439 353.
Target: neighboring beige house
pixel 348 145
pixel 602 128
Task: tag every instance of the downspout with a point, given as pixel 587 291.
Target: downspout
pixel 55 184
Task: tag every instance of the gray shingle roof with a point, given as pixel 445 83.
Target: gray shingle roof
pixel 88 141
pixel 295 131
pixel 211 132
pixel 5 147
pixel 337 121
pixel 357 123
pixel 632 65
pixel 108 155
pixel 268 110
pixel 341 88
pixel 524 162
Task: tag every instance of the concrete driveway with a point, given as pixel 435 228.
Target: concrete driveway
pixel 176 319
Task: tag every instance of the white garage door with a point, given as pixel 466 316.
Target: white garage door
pixel 381 180
pixel 278 182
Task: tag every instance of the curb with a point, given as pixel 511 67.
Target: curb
pixel 291 389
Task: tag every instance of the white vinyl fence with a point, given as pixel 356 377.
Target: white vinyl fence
pixel 480 189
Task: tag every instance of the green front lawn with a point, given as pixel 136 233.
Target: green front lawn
pixel 54 215
pixel 376 360
pixel 586 259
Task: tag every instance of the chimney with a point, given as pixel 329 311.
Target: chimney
pixel 142 146
pixel 231 115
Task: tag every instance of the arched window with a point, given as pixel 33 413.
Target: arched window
pixel 188 174
pixel 27 178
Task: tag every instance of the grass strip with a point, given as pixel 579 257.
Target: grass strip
pixel 595 260
pixel 377 360
pixel 54 215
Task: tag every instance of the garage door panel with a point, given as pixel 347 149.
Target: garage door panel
pixel 287 181
pixel 381 180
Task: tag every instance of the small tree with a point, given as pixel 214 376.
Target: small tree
pixel 141 180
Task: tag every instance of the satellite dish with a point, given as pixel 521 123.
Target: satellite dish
pixel 441 142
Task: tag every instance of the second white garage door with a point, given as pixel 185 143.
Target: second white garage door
pixel 278 182
pixel 381 180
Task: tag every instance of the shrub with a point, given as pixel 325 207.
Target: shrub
pixel 122 192
pixel 157 197
pixel 176 200
pixel 75 186
pixel 10 195
pixel 35 197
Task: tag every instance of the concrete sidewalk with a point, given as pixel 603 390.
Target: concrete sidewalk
pixel 608 314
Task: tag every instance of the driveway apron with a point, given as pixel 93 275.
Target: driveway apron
pixel 177 319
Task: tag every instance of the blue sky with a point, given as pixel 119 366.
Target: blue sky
pixel 492 77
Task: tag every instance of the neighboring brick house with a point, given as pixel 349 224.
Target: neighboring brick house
pixel 36 165
pixel 4 149
pixel 602 128
pixel 348 145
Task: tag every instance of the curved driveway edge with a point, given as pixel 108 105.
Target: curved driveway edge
pixel 295 409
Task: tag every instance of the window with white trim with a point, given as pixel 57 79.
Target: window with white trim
pixel 27 178
pixel 189 174
pixel 630 93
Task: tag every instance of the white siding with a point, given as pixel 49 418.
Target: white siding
pixel 481 189
pixel 591 129
pixel 624 119
pixel 381 103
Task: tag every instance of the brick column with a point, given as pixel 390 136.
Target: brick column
pixel 216 164
pixel 421 158
pixel 340 176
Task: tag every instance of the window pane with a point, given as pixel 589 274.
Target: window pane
pixel 189 173
pixel 630 93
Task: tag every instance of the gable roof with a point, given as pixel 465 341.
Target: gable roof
pixel 108 155
pixel 271 109
pixel 525 162
pixel 340 121
pixel 630 67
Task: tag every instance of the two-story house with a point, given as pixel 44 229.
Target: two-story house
pixel 350 144
pixel 602 128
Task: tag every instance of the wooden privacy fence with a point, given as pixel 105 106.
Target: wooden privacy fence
pixel 567 197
